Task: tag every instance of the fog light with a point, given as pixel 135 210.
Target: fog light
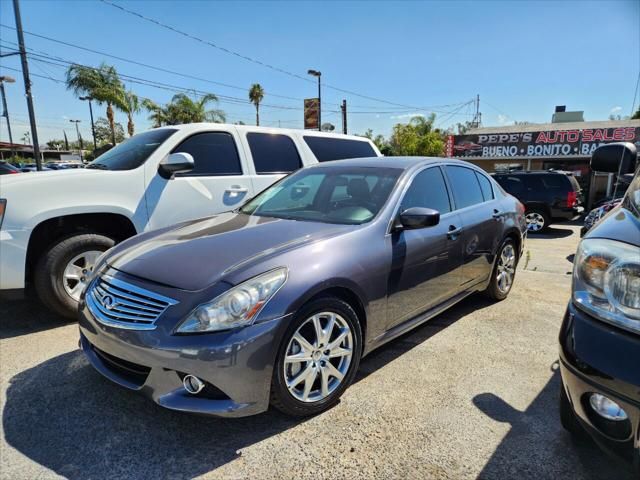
pixel 607 408
pixel 192 384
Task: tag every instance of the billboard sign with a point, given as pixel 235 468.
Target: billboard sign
pixel 554 143
pixel 311 110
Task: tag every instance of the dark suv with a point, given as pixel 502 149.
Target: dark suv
pixel 548 196
pixel 600 334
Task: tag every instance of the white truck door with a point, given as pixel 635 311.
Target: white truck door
pixel 219 181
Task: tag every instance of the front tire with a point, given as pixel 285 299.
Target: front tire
pixel 63 271
pixel 318 358
pixel 504 271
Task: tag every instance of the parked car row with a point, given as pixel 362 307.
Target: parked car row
pixel 6 168
pixel 240 289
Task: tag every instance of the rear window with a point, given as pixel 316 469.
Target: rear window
pixel 273 153
pixel 328 148
pixel 554 181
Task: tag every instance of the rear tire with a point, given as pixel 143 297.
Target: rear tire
pixel 289 397
pixel 53 272
pixel 504 271
pixel 537 220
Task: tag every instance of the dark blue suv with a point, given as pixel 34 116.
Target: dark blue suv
pixel 600 334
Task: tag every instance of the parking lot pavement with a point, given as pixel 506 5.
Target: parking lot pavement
pixel 472 393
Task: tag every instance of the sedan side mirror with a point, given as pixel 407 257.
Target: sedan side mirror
pixel 173 163
pixel 417 217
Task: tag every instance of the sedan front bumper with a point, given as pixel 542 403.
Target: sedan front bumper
pixel 598 358
pixel 235 365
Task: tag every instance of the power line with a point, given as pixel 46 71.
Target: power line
pixel 146 65
pixel 434 108
pixel 250 59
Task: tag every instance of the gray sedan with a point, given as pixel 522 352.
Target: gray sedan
pixel 276 303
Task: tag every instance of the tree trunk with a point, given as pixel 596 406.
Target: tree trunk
pixel 130 126
pixel 257 114
pixel 112 123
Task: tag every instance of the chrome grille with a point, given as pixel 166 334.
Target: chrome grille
pixel 120 304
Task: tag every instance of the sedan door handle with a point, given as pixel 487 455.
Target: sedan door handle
pixel 453 232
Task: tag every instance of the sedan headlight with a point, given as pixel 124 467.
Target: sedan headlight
pixel 236 307
pixel 606 281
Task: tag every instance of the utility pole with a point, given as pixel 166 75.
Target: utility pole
pixel 27 85
pixel 343 108
pixel 5 111
pixel 79 137
pixel 93 128
pixel 477 117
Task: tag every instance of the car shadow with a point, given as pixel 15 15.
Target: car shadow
pixel 65 416
pixel 22 317
pixel 537 446
pixel 553 232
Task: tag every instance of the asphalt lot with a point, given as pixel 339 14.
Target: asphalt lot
pixel 471 394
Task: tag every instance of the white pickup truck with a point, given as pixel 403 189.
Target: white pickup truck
pixel 54 225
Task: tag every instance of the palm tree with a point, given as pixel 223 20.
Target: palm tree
pixel 256 94
pixel 183 109
pixel 157 113
pixel 103 84
pixel 132 106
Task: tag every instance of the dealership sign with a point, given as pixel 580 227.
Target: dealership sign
pixel 552 143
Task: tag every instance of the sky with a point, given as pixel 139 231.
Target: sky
pixel 397 59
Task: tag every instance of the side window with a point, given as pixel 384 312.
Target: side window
pixel 513 185
pixel 427 190
pixel 465 186
pixel 485 186
pixel 329 148
pixel 273 153
pixel 214 153
pixel 554 181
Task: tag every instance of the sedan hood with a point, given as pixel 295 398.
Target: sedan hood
pixel 197 254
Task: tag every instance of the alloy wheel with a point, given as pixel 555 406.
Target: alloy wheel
pixel 318 357
pixel 506 268
pixel 535 221
pixel 78 271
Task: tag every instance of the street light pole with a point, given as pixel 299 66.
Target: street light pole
pixel 5 111
pixel 79 137
pixel 318 74
pixel 27 85
pixel 93 128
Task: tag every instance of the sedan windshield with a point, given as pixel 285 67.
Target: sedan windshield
pixel 344 195
pixel 133 152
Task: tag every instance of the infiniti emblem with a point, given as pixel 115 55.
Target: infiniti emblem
pixel 108 302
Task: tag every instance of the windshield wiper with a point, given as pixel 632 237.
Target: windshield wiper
pixel 100 166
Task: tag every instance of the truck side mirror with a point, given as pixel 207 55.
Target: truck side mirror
pixel 173 163
pixel 615 158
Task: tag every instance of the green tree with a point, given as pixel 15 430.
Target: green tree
pixel 182 109
pixel 104 132
pixel 636 116
pixel 103 84
pixel 132 106
pixel 418 137
pixel 256 94
pixel 379 141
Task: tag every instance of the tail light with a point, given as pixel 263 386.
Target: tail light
pixel 572 198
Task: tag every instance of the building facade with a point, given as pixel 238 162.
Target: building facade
pixel 560 146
